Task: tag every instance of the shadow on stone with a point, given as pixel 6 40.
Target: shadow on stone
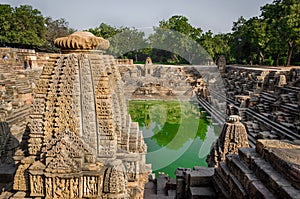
pixel 8 146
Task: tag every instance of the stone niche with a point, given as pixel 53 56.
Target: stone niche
pixel 82 143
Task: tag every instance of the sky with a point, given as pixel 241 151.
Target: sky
pixel 214 15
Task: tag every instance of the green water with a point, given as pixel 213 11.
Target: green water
pixel 176 133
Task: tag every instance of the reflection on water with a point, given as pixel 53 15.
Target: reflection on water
pixel 176 133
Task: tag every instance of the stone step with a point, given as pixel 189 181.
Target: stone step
pixel 19 114
pixel 20 195
pixel 236 188
pixel 253 186
pixel 247 154
pixel 275 182
pixel 220 190
pixel 5 195
pixel 200 176
pixel 220 180
pixel 284 161
pixel 201 193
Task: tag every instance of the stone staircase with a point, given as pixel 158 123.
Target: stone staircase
pixel 195 183
pixel 257 173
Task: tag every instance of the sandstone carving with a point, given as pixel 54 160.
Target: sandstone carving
pixel 80 143
pixel 81 41
pixel 233 136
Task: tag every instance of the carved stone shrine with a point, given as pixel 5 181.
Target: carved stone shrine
pixel 233 136
pixel 81 141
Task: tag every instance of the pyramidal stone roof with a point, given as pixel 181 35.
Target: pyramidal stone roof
pixel 81 136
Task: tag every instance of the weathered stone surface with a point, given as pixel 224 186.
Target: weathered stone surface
pixel 200 176
pixel 284 157
pixel 232 137
pixel 81 41
pixel 166 82
pixel 75 146
pixel 201 193
pixel 8 146
pixel 251 174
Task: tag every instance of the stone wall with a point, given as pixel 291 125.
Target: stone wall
pixel 16 97
pixel 267 99
pixel 16 58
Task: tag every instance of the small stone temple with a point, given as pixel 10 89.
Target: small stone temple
pixel 233 136
pixel 81 142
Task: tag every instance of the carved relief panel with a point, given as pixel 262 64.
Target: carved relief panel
pixel 36 185
pixel 131 170
pixel 91 186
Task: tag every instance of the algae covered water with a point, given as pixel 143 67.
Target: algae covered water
pixel 177 134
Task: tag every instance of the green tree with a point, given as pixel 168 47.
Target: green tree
pixel 104 30
pixel 215 45
pixel 125 42
pixel 6 13
pixel 27 27
pixel 255 32
pixel 283 18
pixel 221 46
pixel 248 40
pixel 181 24
pixel 207 41
pixel 177 40
pixel 129 43
pixel 239 42
pixel 55 29
pixel 22 26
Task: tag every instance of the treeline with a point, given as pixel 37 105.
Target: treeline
pixel 25 27
pixel 272 38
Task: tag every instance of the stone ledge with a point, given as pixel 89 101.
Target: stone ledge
pixel 201 192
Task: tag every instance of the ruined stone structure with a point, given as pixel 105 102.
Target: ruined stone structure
pixel 271 170
pixel 169 82
pixel 124 61
pixel 221 64
pixel 16 57
pixel 153 90
pixel 8 146
pixel 16 97
pixel 81 141
pixel 151 81
pixel 267 99
pixel 233 136
pixel 265 102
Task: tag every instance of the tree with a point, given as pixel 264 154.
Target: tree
pixel 27 27
pixel 128 43
pixel 283 18
pixel 180 24
pixel 239 42
pixel 249 40
pixel 255 32
pixel 104 30
pixel 293 23
pixel 6 13
pixel 215 45
pixel 124 42
pixel 178 41
pixel 23 26
pixel 55 29
pixel 221 46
